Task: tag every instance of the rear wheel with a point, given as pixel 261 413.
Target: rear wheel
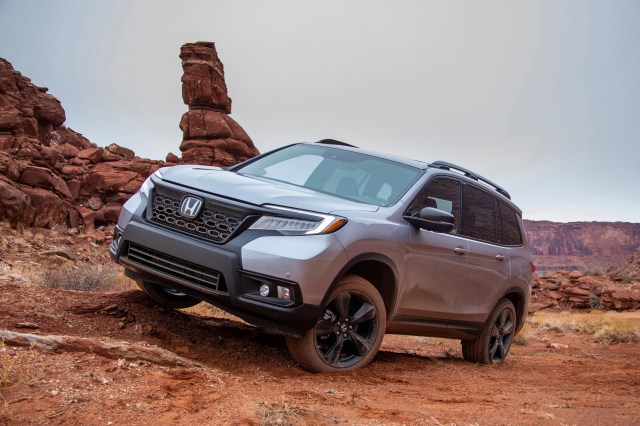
pixel 494 343
pixel 168 297
pixel 348 334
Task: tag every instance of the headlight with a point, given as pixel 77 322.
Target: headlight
pixel 317 224
pixel 147 185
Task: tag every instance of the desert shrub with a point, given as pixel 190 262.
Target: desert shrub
pixel 596 271
pixel 606 328
pixel 88 277
pixel 594 300
pixel 283 413
pixel 611 335
pixel 629 279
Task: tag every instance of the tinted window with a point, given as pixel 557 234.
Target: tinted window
pixel 443 194
pixel 479 215
pixel 511 235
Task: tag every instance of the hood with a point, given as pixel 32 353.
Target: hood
pixel 253 190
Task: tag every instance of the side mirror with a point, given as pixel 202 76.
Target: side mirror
pixel 432 219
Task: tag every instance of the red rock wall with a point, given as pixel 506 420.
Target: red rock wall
pixel 581 245
pixel 50 174
pixel 572 290
pixel 210 136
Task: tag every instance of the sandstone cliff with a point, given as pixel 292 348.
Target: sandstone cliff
pixel 592 246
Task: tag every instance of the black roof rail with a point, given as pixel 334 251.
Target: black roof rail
pixel 468 173
pixel 335 142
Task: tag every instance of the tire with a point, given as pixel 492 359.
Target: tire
pixel 494 343
pixel 349 333
pixel 166 297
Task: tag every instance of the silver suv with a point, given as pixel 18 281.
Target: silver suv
pixel 333 247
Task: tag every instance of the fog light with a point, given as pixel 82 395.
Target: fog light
pixel 264 290
pixel 284 293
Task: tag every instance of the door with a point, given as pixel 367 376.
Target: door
pixel 436 262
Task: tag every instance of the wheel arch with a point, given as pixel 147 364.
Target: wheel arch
pixel 517 297
pixel 379 270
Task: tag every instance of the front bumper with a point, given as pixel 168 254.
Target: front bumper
pixel 210 273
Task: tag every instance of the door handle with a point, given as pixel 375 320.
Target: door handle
pixel 460 250
pixel 500 257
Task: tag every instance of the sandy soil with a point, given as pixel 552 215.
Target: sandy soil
pixel 248 377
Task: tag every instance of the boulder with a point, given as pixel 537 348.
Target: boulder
pixel 48 207
pixel 45 178
pixel 94 155
pixel 107 181
pixel 14 204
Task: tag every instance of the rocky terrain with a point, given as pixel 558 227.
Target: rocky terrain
pixel 51 175
pixel 590 246
pixel 573 290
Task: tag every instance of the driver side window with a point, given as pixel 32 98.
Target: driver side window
pixel 442 194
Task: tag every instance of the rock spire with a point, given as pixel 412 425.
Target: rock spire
pixel 210 136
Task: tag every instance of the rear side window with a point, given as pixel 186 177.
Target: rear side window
pixel 479 215
pixel 511 235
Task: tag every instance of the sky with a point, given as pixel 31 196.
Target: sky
pixel 542 97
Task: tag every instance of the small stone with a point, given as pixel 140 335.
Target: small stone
pixel 557 346
pixel 63 252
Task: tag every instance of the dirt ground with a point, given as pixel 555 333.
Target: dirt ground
pixel 246 377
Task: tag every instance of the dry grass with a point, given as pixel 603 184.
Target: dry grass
pixel 284 413
pixel 605 327
pixel 15 366
pixel 87 277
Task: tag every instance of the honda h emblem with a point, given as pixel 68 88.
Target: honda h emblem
pixel 190 206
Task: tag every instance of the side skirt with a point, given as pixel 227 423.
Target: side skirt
pixel 450 329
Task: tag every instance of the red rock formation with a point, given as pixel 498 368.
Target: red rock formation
pixel 564 289
pixel 49 173
pixel 581 245
pixel 628 271
pixel 210 136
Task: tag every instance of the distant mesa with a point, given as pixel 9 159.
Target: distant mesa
pixel 52 176
pixel 586 246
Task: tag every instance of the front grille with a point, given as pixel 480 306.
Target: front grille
pixel 213 223
pixel 174 267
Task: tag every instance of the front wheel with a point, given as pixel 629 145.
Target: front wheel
pixel 167 297
pixel 348 334
pixel 494 343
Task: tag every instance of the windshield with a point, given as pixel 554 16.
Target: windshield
pixel 346 174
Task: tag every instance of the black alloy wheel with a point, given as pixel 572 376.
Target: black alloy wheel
pixel 347 330
pixel 348 334
pixel 502 335
pixel 493 344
